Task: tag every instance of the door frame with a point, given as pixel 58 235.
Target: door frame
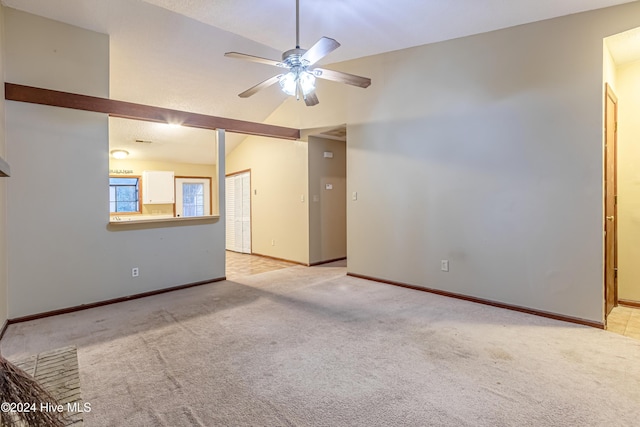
pixel 240 172
pixel 610 219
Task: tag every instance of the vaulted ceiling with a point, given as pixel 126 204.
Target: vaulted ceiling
pixel 169 53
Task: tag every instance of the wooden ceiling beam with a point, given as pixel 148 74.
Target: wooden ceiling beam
pixel 130 110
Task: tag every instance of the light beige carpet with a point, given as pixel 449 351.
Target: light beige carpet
pixel 312 347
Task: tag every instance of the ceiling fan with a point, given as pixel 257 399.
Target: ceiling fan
pixel 301 74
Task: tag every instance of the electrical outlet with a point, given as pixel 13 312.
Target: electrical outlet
pixel 444 265
pixel 135 272
pixel 273 242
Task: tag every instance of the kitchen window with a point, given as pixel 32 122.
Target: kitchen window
pixel 124 194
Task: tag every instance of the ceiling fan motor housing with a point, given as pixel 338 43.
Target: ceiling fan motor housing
pixel 293 58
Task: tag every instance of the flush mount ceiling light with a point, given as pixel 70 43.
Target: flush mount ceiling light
pixel 300 79
pixel 119 154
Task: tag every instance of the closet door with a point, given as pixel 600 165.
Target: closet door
pixel 238 214
pixel 238 210
pixel 246 213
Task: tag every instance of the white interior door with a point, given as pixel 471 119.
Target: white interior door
pixel 238 210
pixel 246 213
pixel 193 197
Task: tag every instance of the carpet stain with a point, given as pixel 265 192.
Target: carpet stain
pixel 572 356
pixel 499 354
pixel 442 345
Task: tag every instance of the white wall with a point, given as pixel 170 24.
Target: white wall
pixel 628 92
pixel 486 151
pixel 65 254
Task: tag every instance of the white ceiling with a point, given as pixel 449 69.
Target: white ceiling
pixel 368 27
pixel 169 53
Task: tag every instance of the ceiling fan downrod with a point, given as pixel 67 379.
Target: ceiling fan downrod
pixel 297 24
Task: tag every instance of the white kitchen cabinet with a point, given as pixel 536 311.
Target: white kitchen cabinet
pixel 158 187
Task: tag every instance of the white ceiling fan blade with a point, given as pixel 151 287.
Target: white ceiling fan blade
pixel 340 77
pixel 322 48
pixel 311 99
pixel 251 91
pixel 255 59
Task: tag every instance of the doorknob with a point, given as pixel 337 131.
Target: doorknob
pixel 610 218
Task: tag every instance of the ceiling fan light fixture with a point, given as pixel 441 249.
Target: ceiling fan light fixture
pixel 289 82
pixel 300 78
pixel 307 82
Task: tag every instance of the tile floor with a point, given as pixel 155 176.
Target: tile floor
pixel 239 265
pixel 624 321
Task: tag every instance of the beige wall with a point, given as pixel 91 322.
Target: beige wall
pixel 179 169
pixel 628 92
pixel 485 151
pixel 65 254
pixel 3 189
pixel 279 195
pixel 327 208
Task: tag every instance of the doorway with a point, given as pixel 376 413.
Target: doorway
pixel 238 212
pixel 610 201
pixel 193 196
